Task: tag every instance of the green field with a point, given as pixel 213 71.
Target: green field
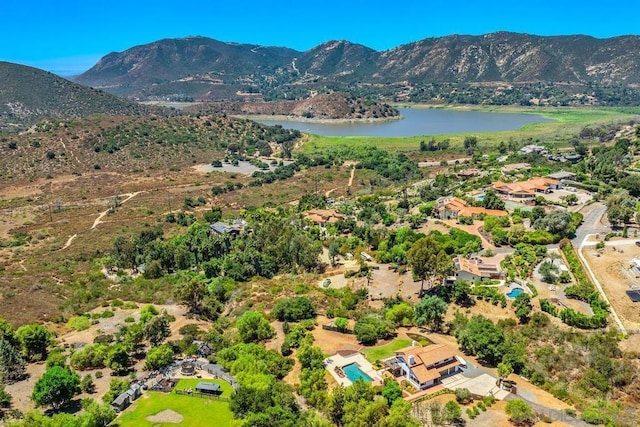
pixel 567 122
pixel 196 411
pixel 385 351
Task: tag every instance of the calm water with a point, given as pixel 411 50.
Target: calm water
pixel 353 372
pixel 419 121
pixel 515 292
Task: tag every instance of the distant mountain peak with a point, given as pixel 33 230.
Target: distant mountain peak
pixel 208 69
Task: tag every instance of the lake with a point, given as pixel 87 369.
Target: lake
pixel 419 121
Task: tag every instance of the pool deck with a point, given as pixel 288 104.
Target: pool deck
pixel 340 360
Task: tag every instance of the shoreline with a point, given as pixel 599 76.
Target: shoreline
pixel 291 118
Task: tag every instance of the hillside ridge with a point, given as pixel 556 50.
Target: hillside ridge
pixel 200 68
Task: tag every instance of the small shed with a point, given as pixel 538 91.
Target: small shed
pixel 208 388
pixel 134 392
pixel 121 402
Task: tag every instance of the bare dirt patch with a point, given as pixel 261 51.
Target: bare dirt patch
pixel 612 270
pixel 166 416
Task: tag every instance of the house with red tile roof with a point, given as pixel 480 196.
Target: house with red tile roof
pixel 526 189
pixel 475 269
pixel 455 207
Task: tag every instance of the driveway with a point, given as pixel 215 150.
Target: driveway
pixel 482 385
pixel 591 223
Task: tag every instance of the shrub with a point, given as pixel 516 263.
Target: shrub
pixel 369 329
pixel 294 309
pixel 87 385
pixel 471 413
pixel 463 395
pixel 519 411
pixel 158 357
pixel 79 323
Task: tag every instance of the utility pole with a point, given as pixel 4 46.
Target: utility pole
pixel 50 214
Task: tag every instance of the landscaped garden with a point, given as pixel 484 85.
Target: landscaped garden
pixel 164 409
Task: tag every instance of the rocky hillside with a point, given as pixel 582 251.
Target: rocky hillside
pixel 336 105
pixel 512 57
pixel 204 69
pixel 28 94
pixel 183 63
pixel 127 145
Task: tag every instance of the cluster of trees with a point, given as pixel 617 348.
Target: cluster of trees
pixel 549 227
pixel 396 167
pixel 621 208
pixel 433 145
pixel 524 94
pixel 522 262
pixel 278 243
pixel 116 352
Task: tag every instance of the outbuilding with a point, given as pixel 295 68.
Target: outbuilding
pixel 121 402
pixel 208 388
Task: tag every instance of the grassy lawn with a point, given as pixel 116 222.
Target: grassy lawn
pixel 196 411
pixel 567 122
pixel 385 351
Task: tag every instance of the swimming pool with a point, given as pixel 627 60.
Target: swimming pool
pixel 353 372
pixel 515 292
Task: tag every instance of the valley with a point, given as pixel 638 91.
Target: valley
pixel 440 233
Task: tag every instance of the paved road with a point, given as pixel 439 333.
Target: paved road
pixel 591 223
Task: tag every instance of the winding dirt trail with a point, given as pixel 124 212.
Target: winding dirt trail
pixel 66 245
pixel 72 153
pixel 353 174
pixel 130 196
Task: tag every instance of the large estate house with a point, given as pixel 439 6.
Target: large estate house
pixel 323 217
pixel 454 207
pixel 526 189
pixel 424 367
pixel 475 270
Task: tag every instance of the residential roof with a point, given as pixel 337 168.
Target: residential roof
pixel 429 355
pixel 324 216
pixel 561 175
pixel 471 211
pixel 423 374
pixel 476 267
pixel 453 204
pixel 223 228
pixel 121 399
pixel 207 386
pixel 514 167
pixel 525 187
pixel 469 172
pixel 456 204
pixel 425 358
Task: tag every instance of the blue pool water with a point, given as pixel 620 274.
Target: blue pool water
pixel 515 292
pixel 353 372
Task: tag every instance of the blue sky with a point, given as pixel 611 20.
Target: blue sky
pixel 69 36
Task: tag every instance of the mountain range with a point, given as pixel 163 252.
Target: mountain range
pixel 205 69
